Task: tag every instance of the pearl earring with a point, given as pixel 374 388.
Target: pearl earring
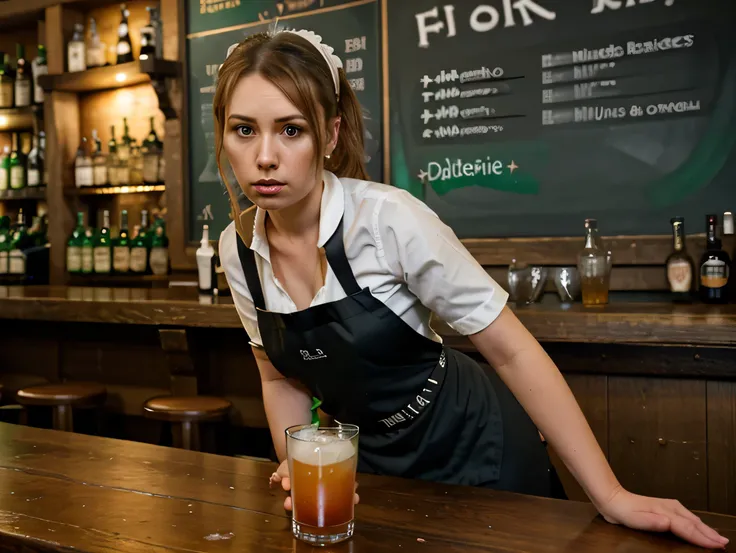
pixel 327 156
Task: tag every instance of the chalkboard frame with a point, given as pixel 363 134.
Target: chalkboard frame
pixel 638 259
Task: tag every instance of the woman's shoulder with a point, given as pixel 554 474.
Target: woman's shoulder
pixel 363 192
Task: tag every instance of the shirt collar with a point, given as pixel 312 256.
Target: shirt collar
pixel 332 208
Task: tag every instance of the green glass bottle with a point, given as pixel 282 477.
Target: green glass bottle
pixel 121 246
pixel 159 256
pixel 103 247
pixel 139 248
pixel 88 252
pixel 5 168
pixel 74 247
pixel 16 256
pixel 5 238
pixel 17 166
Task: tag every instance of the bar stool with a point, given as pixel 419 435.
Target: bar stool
pixel 10 383
pixel 62 398
pixel 186 412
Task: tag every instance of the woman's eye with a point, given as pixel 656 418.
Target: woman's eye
pixel 292 130
pixel 242 130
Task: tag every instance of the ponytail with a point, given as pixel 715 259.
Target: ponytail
pixel 348 159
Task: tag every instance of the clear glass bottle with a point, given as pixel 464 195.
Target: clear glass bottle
pixel 95 47
pixel 136 165
pixel 76 51
pixel 151 156
pixel 40 67
pixel 594 265
pixel 99 162
pixel 83 171
pixel 124 145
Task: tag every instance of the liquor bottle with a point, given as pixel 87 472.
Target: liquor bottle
pixel 121 246
pixel 139 247
pixel 680 266
pixel 77 58
pixel 135 165
pixel 5 239
pixel 95 47
pixel 22 78
pixel 594 266
pixel 124 146
pixel 74 247
pixel 42 158
pixel 17 165
pixel 16 256
pixel 39 67
pixel 103 247
pixel 99 162
pixel 148 39
pixel 83 172
pixel 7 82
pixel 714 266
pixel 5 168
pixel 151 155
pixel 88 252
pixel 729 245
pixel 206 263
pixel 159 256
pixel 112 159
pixel 34 165
pixel 124 48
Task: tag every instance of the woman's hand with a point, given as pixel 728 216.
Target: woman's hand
pixel 659 515
pixel 282 475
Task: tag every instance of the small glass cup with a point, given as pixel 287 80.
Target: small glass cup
pixel 322 466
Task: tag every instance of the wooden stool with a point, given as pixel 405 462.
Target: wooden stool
pixel 185 410
pixel 62 398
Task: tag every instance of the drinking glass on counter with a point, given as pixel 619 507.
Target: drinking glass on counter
pixel 322 466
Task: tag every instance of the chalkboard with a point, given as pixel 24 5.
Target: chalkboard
pixel 351 27
pixel 522 117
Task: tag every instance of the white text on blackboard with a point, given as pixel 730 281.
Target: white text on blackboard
pixel 457 168
pixel 485 17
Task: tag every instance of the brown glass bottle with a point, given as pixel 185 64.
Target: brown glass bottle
pixel 714 266
pixel 679 265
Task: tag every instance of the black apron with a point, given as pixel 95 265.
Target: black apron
pixel 424 411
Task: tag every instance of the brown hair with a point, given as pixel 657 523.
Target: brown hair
pixel 295 66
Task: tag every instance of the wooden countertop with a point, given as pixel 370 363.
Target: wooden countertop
pixel 71 492
pixel 631 322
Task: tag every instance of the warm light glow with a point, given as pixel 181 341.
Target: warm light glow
pixel 3 121
pixel 120 77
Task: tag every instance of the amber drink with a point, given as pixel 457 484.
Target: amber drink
pixel 322 466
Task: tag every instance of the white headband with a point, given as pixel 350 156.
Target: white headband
pixel 328 53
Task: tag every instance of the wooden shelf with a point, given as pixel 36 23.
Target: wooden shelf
pixel 32 193
pixel 123 281
pixel 18 119
pixel 109 190
pixel 16 13
pixel 110 76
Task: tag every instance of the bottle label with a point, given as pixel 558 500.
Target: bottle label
pixel 76 57
pixel 37 90
pixel 122 31
pixel 34 177
pixel 159 261
pixel 17 264
pixel 103 259
pixel 121 259
pixel 74 259
pixel 84 176
pixel 3 263
pixel 138 260
pixel 23 92
pixel 3 179
pixel 95 57
pixel 123 48
pixel 100 172
pixel 679 275
pixel 17 177
pixel 714 274
pixel 6 95
pixel 88 260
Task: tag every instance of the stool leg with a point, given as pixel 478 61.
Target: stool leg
pixel 186 434
pixel 63 418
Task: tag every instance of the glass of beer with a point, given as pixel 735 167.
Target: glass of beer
pixel 322 466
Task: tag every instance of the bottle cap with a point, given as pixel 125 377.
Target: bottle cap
pixel 205 235
pixel 728 223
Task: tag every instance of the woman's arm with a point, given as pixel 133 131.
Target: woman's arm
pixel 540 388
pixel 286 402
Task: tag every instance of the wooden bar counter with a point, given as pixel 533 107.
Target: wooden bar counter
pixel 67 492
pixel 656 381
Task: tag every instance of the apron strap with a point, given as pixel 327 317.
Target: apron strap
pixel 335 250
pixel 250 269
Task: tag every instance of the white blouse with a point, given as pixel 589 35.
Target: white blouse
pixel 396 246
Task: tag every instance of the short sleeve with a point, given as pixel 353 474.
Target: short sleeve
pixel 230 262
pixel 423 251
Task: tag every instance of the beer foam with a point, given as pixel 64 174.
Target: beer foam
pixel 313 446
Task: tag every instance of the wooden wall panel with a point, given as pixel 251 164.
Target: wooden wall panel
pixel 722 447
pixel 657 437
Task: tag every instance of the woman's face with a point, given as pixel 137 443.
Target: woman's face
pixel 269 145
